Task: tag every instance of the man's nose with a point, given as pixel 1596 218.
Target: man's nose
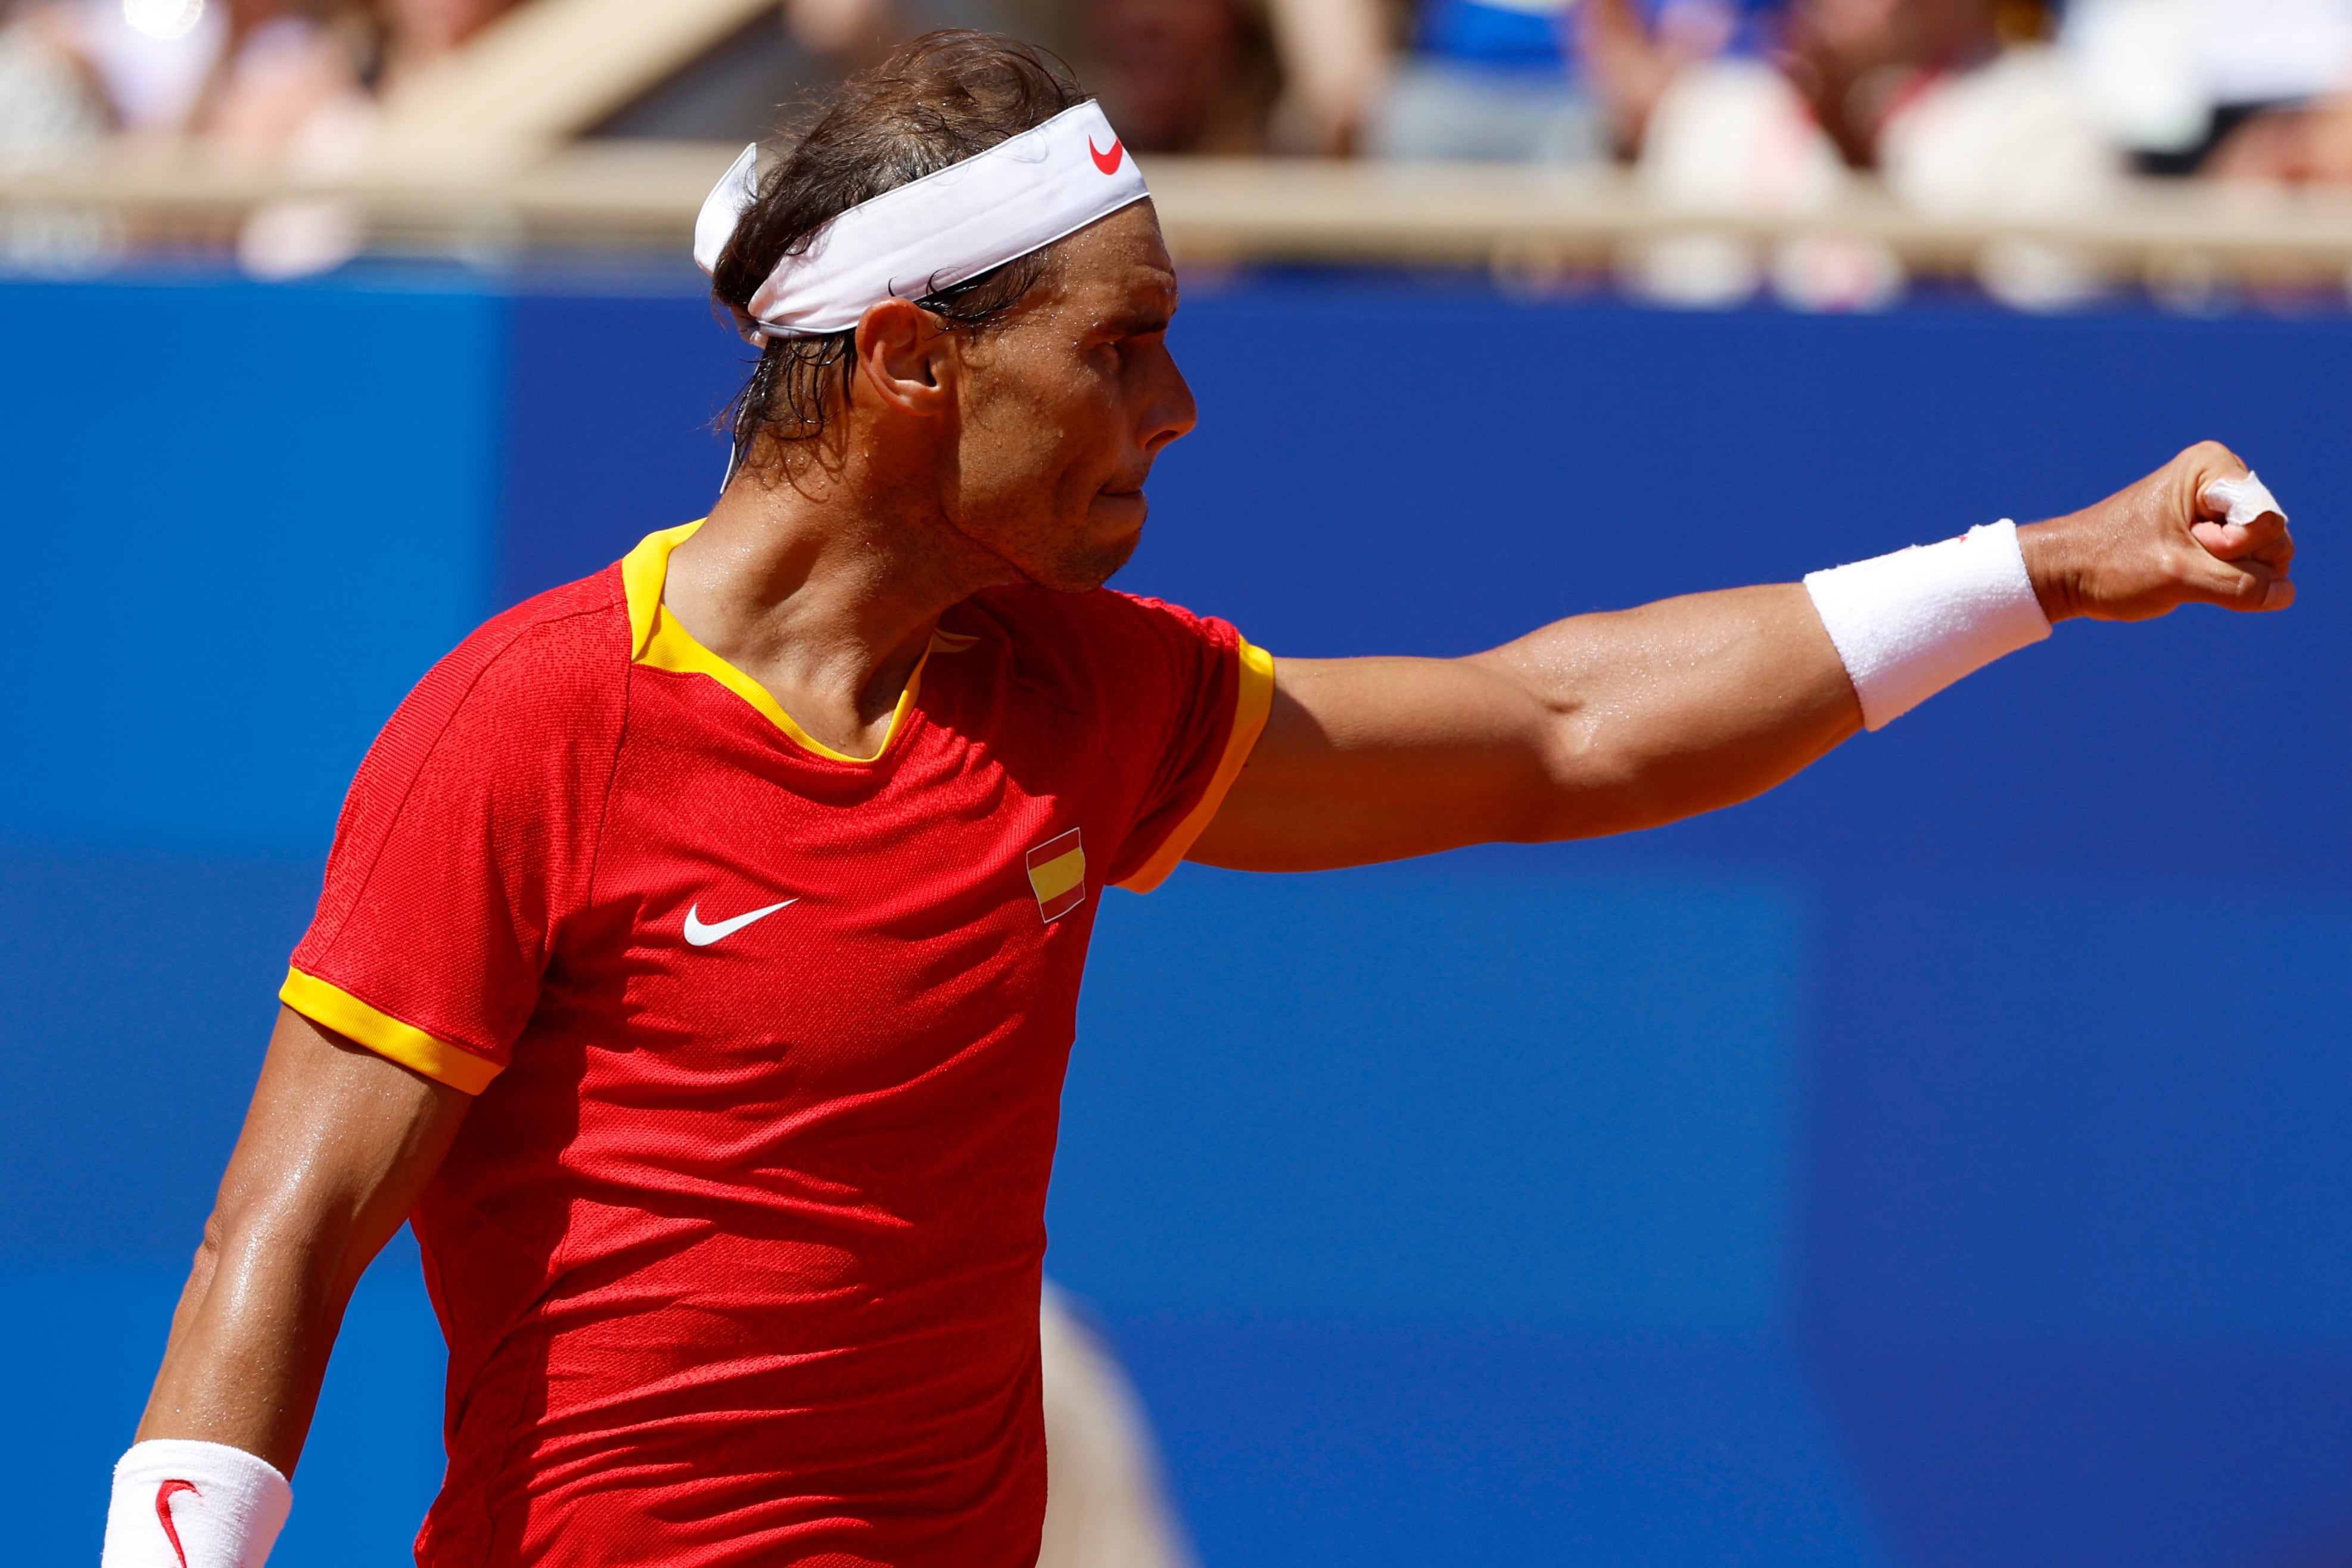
pixel 1169 410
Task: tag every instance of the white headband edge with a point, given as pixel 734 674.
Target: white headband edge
pixel 1002 203
pixel 934 282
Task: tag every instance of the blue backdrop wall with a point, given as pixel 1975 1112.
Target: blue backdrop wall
pixel 1939 1161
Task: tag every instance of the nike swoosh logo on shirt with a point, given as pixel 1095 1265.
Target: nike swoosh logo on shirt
pixel 702 936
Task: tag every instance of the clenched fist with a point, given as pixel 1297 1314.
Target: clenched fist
pixel 2163 542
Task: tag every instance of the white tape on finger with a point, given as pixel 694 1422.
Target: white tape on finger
pixel 2246 498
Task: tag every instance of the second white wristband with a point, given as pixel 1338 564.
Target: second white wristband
pixel 1910 623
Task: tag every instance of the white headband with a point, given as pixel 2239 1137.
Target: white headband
pixel 1020 196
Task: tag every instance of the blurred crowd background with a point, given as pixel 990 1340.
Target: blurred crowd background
pixel 2000 112
pixel 1767 93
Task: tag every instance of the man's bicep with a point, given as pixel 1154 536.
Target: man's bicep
pixel 1364 759
pixel 338 1135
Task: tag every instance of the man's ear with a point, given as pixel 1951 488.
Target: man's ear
pixel 904 357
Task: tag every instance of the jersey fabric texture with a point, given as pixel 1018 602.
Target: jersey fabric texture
pixel 737 1250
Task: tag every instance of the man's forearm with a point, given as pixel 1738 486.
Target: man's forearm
pixel 1699 702
pixel 206 1484
pixel 248 1348
pixel 1606 723
pixel 1682 706
pixel 336 1149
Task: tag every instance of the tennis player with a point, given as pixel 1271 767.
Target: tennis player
pixel 698 956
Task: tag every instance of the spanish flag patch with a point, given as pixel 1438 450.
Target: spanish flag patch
pixel 1057 871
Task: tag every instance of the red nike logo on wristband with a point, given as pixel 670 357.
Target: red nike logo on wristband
pixel 1106 161
pixel 163 1496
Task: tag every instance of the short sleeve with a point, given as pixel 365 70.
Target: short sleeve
pixel 468 836
pixel 1202 693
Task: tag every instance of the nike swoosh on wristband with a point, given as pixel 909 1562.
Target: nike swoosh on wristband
pixel 702 936
pixel 163 1496
pixel 1106 161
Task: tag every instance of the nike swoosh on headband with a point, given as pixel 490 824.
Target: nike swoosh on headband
pixel 995 206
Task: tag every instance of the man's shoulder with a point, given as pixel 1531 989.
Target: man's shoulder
pixel 1101 652
pixel 567 636
pixel 581 620
pixel 1099 621
pixel 557 661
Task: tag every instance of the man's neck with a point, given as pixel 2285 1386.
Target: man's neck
pixel 825 587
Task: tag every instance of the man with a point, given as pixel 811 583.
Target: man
pixel 699 952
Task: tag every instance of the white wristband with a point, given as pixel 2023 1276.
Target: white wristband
pixel 1910 623
pixel 184 1504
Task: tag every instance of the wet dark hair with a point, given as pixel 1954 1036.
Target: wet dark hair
pixel 935 101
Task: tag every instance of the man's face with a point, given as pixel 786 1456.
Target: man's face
pixel 1066 404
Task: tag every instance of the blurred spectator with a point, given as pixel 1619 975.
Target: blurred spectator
pixel 253 79
pixel 1733 139
pixel 1335 70
pixel 1216 76
pixel 1551 81
pixel 1962 110
pixel 2237 88
pixel 49 112
pixel 850 32
pixel 254 71
pixel 49 106
pixel 145 64
pixel 423 31
pixel 2303 145
pixel 288 84
pixel 2012 139
pixel 291 86
pixel 1631 56
pixel 1175 76
pixel 1859 62
pixel 1181 76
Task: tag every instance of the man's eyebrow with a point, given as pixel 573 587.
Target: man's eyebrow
pixel 1144 318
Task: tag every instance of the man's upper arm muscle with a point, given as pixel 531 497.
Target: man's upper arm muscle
pixel 337 1149
pixel 1376 758
pixel 1601 723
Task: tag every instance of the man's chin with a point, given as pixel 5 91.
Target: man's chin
pixel 1082 572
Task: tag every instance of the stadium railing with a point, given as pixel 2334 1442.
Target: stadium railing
pixel 645 194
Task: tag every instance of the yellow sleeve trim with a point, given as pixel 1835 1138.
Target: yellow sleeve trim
pixel 1251 705
pixel 335 1008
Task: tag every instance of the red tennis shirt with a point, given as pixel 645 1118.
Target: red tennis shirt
pixel 737 1250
